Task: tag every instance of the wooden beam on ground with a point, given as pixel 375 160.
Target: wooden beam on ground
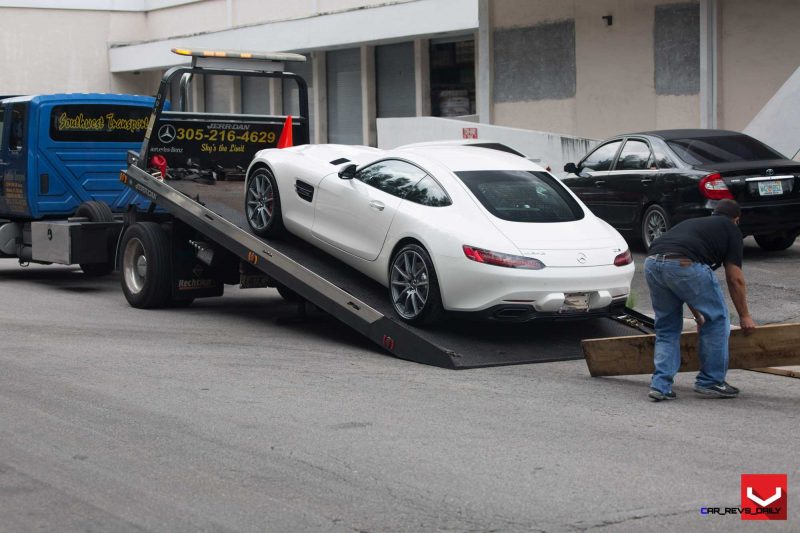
pixel 788 371
pixel 768 346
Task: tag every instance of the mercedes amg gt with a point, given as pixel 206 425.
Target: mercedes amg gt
pixel 446 228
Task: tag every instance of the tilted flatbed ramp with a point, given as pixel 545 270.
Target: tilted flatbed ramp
pixel 216 211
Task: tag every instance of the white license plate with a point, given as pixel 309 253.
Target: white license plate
pixel 770 188
pixel 576 301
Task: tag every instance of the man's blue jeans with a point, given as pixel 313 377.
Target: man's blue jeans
pixel 670 286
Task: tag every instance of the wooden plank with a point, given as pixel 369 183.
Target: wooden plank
pixel 767 346
pixel 788 371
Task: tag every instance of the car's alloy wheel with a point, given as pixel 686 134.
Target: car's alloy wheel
pixel 262 204
pixel 655 222
pixel 413 286
pixel 260 201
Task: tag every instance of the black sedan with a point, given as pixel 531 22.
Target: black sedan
pixel 644 183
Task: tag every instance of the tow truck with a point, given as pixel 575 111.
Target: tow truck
pixel 192 165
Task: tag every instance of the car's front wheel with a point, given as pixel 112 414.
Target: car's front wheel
pixel 775 242
pixel 263 204
pixel 414 287
pixel 655 222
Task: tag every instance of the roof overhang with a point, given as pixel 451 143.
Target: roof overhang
pixel 387 23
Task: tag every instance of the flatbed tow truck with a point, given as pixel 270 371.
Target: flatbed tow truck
pixel 198 240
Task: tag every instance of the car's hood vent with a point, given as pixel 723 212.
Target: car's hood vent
pixel 340 161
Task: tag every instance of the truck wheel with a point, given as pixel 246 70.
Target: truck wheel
pixel 775 242
pixel 146 265
pixel 262 204
pixel 97 212
pixel 288 294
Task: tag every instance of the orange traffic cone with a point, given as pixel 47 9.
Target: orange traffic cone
pixel 286 135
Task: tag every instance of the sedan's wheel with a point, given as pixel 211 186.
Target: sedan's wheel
pixel 263 204
pixel 775 242
pixel 413 286
pixel 655 222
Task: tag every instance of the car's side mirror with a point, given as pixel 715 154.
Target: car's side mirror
pixel 570 168
pixel 348 172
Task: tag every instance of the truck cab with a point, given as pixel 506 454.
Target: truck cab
pixel 60 158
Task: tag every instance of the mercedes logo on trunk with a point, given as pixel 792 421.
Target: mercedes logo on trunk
pixel 581 258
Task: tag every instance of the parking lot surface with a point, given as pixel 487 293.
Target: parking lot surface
pixel 215 418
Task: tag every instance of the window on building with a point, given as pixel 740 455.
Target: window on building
pixel 452 78
pixel 291 93
pixel 394 80
pixel 343 72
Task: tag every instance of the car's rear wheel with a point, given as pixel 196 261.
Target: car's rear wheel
pixel 414 287
pixel 775 242
pixel 655 222
pixel 263 204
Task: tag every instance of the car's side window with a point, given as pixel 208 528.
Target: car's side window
pixel 602 157
pixel 428 192
pixel 391 176
pixel 661 158
pixel 635 155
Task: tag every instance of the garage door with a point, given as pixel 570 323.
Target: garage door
pixel 344 97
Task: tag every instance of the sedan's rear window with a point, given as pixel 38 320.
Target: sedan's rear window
pixel 723 149
pixel 521 196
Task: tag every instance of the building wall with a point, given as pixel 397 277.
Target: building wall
pixel 759 48
pixel 45 51
pixel 613 67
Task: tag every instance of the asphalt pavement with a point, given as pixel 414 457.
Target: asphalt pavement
pixel 215 418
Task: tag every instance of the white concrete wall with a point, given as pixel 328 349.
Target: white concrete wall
pixel 615 90
pixel 46 50
pixel 548 148
pixel 759 49
pixel 778 123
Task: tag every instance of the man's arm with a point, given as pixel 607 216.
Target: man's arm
pixel 738 291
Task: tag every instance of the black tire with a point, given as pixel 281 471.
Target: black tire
pixel 655 221
pixel 262 204
pixel 146 266
pixel 288 294
pixel 414 291
pixel 775 242
pixel 97 212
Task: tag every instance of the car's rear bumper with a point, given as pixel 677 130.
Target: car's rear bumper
pixel 498 292
pixel 756 219
pixel 527 313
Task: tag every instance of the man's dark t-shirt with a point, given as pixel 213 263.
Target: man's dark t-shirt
pixel 712 240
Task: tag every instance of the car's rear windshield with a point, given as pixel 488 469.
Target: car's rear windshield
pixel 722 149
pixel 522 196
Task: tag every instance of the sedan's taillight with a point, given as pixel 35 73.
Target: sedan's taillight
pixel 501 259
pixel 625 258
pixel 713 187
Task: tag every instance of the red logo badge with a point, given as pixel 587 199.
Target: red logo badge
pixel 764 496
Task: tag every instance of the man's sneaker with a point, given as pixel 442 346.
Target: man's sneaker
pixel 719 390
pixel 657 395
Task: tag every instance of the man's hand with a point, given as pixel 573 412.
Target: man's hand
pixel 698 317
pixel 747 324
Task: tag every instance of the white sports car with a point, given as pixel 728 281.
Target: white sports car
pixel 445 228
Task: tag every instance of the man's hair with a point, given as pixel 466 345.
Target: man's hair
pixel 729 208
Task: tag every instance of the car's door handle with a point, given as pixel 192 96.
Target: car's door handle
pixel 378 206
pixel 646 181
pixel 599 183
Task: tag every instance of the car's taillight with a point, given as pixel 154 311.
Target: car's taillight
pixel 625 258
pixel 501 259
pixel 713 187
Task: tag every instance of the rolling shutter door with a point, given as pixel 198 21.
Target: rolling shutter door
pixel 394 72
pixel 344 97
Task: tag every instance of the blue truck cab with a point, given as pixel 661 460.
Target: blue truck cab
pixel 60 160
